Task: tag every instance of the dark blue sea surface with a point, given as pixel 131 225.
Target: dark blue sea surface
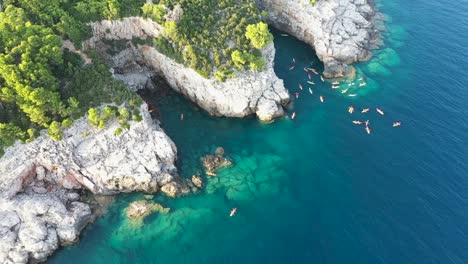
pixel 319 189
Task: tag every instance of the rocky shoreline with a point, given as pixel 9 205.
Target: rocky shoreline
pixel 42 206
pixel 342 32
pixel 261 93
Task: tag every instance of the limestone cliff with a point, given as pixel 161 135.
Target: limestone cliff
pixel 340 31
pixel 260 93
pixel 40 183
pixel 127 28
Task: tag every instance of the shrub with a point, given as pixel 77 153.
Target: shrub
pixel 259 35
pixel 55 131
pixel 118 131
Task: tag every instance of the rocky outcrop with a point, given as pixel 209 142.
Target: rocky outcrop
pixel 197 181
pixel 341 31
pixel 211 163
pixel 138 210
pixel 260 93
pixel 130 67
pixel 40 182
pixel 126 28
pixel 139 159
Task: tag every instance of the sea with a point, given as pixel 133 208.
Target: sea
pixel 318 188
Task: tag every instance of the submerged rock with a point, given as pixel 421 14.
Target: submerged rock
pixel 251 177
pixel 377 68
pixel 163 229
pixel 211 163
pixel 138 210
pixel 197 181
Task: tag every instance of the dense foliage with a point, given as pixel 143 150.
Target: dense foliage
pixel 43 86
pixel 205 33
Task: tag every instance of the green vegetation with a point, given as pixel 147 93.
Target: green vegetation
pixel 42 86
pixel 259 35
pixel 154 12
pixel 45 87
pixel 312 2
pixel 100 117
pixel 209 32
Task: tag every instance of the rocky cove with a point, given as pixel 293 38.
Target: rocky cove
pixel 41 199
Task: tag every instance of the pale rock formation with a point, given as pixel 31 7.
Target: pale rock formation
pixel 197 181
pixel 341 31
pixel 40 208
pixel 260 93
pixel 130 67
pixel 127 28
pixel 138 210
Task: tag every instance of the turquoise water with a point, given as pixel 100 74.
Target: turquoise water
pixel 318 189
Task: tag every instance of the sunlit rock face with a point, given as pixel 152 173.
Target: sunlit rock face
pixel 260 93
pixel 41 182
pixel 341 31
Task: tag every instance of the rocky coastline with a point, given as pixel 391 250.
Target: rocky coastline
pixel 261 93
pixel 43 184
pixel 342 32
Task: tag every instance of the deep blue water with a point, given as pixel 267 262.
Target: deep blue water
pixel 318 189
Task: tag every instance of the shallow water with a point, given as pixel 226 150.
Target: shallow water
pixel 318 188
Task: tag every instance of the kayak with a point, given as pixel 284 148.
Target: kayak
pixel 233 212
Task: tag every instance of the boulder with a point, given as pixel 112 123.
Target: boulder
pixel 171 189
pixel 211 163
pixel 197 181
pixel 138 210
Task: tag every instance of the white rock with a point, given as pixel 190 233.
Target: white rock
pixel 73 196
pixel 37 218
pixel 126 28
pixel 237 97
pixel 40 173
pixel 340 30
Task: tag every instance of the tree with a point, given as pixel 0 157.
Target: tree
pixel 171 30
pixel 9 133
pixel 124 113
pixel 108 112
pixel 259 35
pixel 154 12
pixel 112 10
pixel 257 64
pixel 93 117
pixel 238 58
pixel 55 131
